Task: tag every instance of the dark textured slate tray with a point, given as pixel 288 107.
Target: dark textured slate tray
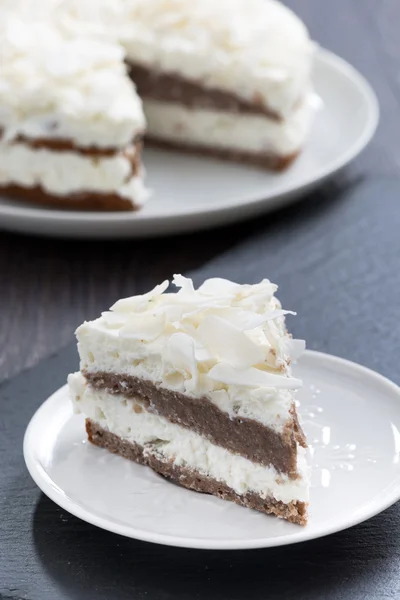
pixel 337 265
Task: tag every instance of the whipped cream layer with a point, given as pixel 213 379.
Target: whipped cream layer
pixel 180 445
pixel 76 89
pixel 225 341
pixel 67 172
pixel 255 134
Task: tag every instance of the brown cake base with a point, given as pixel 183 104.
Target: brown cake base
pixel 86 201
pixel 270 162
pixel 295 512
pixel 238 435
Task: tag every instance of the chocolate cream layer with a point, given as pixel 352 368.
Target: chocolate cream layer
pixel 295 511
pixel 66 145
pixel 243 436
pixel 171 87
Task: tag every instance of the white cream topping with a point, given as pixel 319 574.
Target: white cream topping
pixel 63 173
pixel 77 89
pixel 186 448
pixel 225 341
pixel 236 131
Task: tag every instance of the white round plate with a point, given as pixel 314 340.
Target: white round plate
pixel 350 414
pixel 191 193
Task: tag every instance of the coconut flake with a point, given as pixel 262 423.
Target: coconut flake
pixel 185 283
pixel 217 286
pixel 246 320
pixel 203 354
pixel 228 343
pixel 139 303
pixel 255 378
pixel 146 327
pixel 295 348
pixel 115 319
pixel 180 353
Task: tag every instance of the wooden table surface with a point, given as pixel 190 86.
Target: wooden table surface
pixel 49 286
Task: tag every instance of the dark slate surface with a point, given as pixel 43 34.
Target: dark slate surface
pixel 337 264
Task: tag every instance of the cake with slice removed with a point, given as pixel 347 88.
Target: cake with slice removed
pixel 71 123
pixel 197 385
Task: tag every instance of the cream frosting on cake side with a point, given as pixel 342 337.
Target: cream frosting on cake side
pixel 225 341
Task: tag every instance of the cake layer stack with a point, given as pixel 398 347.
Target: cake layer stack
pixel 71 123
pixel 197 385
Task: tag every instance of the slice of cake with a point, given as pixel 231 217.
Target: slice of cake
pixel 230 78
pixel 197 385
pixel 71 123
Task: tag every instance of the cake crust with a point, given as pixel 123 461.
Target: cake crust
pixel 295 512
pixel 90 201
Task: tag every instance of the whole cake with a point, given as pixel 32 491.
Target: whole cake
pixel 197 385
pixel 230 78
pixel 71 122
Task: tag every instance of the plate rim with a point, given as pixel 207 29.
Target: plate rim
pixel 50 489
pixel 333 61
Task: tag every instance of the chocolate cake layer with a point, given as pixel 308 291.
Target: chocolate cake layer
pixel 84 201
pixel 242 436
pixel 171 87
pixel 64 145
pixel 271 162
pixel 295 512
